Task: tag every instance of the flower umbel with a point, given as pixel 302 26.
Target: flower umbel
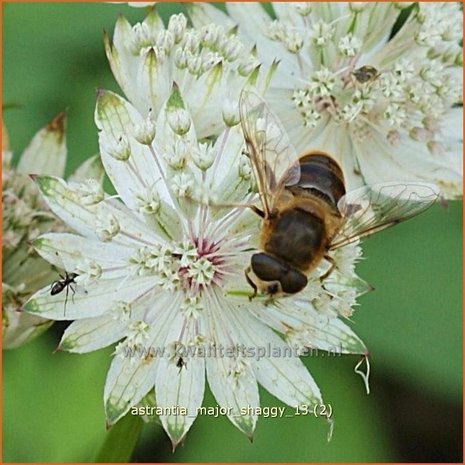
pixel 384 106
pixel 163 272
pixel 210 65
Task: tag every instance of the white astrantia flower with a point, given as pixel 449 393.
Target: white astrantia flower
pixel 209 64
pixel 163 274
pixel 24 217
pixel 384 107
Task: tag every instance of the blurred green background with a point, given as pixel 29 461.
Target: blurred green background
pixel 53 59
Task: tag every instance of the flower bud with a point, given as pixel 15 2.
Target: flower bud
pixel 177 26
pixel 231 48
pixel 230 113
pixel 245 169
pixel 203 156
pixel 88 271
pixel 293 42
pixel 247 66
pixel 90 192
pixel 122 311
pixel 419 134
pixel 118 148
pixel 164 42
pixel 303 8
pixel 182 185
pixel 211 35
pixel 430 123
pixel 144 132
pixel 179 120
pixel 107 227
pixel 148 203
pixel 435 148
pixel 393 137
pixel 141 38
pixel 190 41
pixel 177 158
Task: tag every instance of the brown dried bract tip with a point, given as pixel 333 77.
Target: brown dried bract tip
pixel 58 123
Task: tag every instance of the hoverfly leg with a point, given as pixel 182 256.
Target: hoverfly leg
pixel 257 211
pixel 254 208
pixel 253 295
pixel 333 266
pixel 268 301
pixel 252 284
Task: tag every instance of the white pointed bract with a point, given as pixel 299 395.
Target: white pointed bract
pixel 25 216
pixel 163 274
pixel 385 107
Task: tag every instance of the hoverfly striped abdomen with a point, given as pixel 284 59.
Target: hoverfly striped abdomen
pixel 321 176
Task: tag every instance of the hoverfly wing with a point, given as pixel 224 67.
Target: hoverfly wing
pixel 370 209
pixel 273 158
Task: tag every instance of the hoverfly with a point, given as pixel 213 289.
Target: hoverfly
pixel 306 211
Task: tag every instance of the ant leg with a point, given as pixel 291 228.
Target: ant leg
pixel 331 268
pixel 74 292
pixel 66 300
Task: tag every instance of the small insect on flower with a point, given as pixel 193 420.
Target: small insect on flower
pixel 181 364
pixel 383 96
pixel 306 212
pixel 67 281
pixel 366 74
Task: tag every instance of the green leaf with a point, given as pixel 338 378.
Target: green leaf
pixel 121 440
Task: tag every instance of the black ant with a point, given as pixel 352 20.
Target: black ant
pixel 67 282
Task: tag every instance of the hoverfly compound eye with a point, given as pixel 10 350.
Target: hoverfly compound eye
pixel 294 281
pixel 276 277
pixel 266 267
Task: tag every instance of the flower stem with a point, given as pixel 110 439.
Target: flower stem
pixel 121 440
